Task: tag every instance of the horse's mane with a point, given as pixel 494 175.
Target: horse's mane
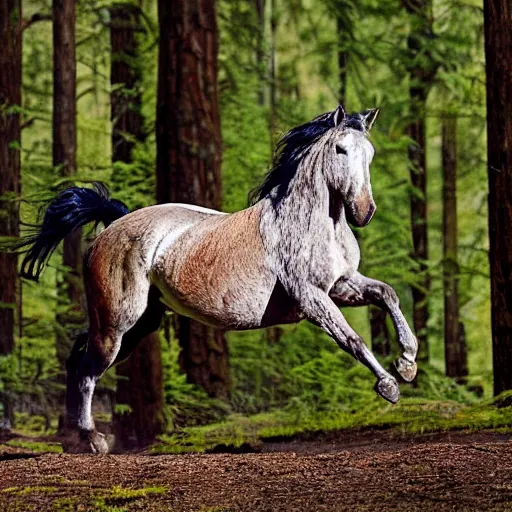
pixel 291 149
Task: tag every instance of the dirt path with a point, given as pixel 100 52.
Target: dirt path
pixel 364 472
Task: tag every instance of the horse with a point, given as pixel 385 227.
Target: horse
pixel 290 256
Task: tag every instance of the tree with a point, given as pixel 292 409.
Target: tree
pixel 272 115
pixel 498 41
pixel 140 381
pixel 422 70
pixel 64 160
pixel 259 6
pixel 454 340
pixel 10 140
pixel 345 14
pixel 189 150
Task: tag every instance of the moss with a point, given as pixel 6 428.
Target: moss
pixel 23 491
pixel 410 416
pixel 107 500
pixel 64 505
pixel 118 493
pixel 35 446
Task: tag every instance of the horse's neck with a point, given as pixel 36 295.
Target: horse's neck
pixel 303 210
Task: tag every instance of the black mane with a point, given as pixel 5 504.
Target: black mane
pixel 290 150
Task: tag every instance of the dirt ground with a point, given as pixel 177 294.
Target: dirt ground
pixel 357 471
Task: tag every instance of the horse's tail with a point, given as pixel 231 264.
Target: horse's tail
pixel 71 209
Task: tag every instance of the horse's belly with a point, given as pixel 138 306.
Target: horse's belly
pixel 226 314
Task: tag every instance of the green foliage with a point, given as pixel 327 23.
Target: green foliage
pixel 35 446
pixel 187 404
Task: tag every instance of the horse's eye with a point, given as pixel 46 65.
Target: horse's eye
pixel 340 150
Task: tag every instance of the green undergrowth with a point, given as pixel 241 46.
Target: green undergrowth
pixel 411 416
pixel 35 446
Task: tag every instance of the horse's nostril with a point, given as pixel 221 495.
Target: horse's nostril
pixel 371 212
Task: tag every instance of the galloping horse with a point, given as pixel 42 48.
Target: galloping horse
pixel 290 256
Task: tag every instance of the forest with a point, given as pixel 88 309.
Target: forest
pixel 184 101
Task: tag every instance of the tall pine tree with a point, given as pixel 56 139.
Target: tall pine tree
pixel 189 150
pixel 10 144
pixel 140 381
pixel 422 70
pixel 64 161
pixel 498 44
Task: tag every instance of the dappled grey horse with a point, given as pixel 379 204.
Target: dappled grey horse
pixel 288 257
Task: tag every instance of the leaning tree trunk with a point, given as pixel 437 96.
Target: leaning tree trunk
pixel 189 150
pixel 10 138
pixel 498 44
pixel 140 380
pixel 454 349
pixel 64 160
pixel 422 70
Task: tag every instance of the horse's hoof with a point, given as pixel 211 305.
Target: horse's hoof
pixel 100 443
pixel 388 389
pixel 407 369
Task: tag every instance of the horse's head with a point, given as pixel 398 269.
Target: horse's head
pixel 347 157
pixel 334 146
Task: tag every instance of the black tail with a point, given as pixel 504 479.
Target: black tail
pixel 71 209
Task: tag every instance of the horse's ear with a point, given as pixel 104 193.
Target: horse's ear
pixel 369 117
pixel 339 115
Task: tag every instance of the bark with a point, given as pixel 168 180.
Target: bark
pixel 273 77
pixel 498 52
pixel 64 160
pixel 259 6
pixel 189 150
pixel 455 352
pixel 10 139
pixel 342 57
pixel 140 380
pixel 140 385
pixel 422 70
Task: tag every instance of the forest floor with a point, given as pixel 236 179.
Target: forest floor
pixel 357 470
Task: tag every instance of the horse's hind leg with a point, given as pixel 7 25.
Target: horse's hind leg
pixel 111 314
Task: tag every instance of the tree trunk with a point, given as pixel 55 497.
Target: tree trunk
pixel 377 317
pixel 422 70
pixel 456 365
pixel 140 381
pixel 259 6
pixel 342 56
pixel 189 150
pixel 273 77
pixel 10 140
pixel 64 160
pixel 498 43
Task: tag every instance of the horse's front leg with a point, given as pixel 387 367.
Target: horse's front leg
pixel 359 290
pixel 321 310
